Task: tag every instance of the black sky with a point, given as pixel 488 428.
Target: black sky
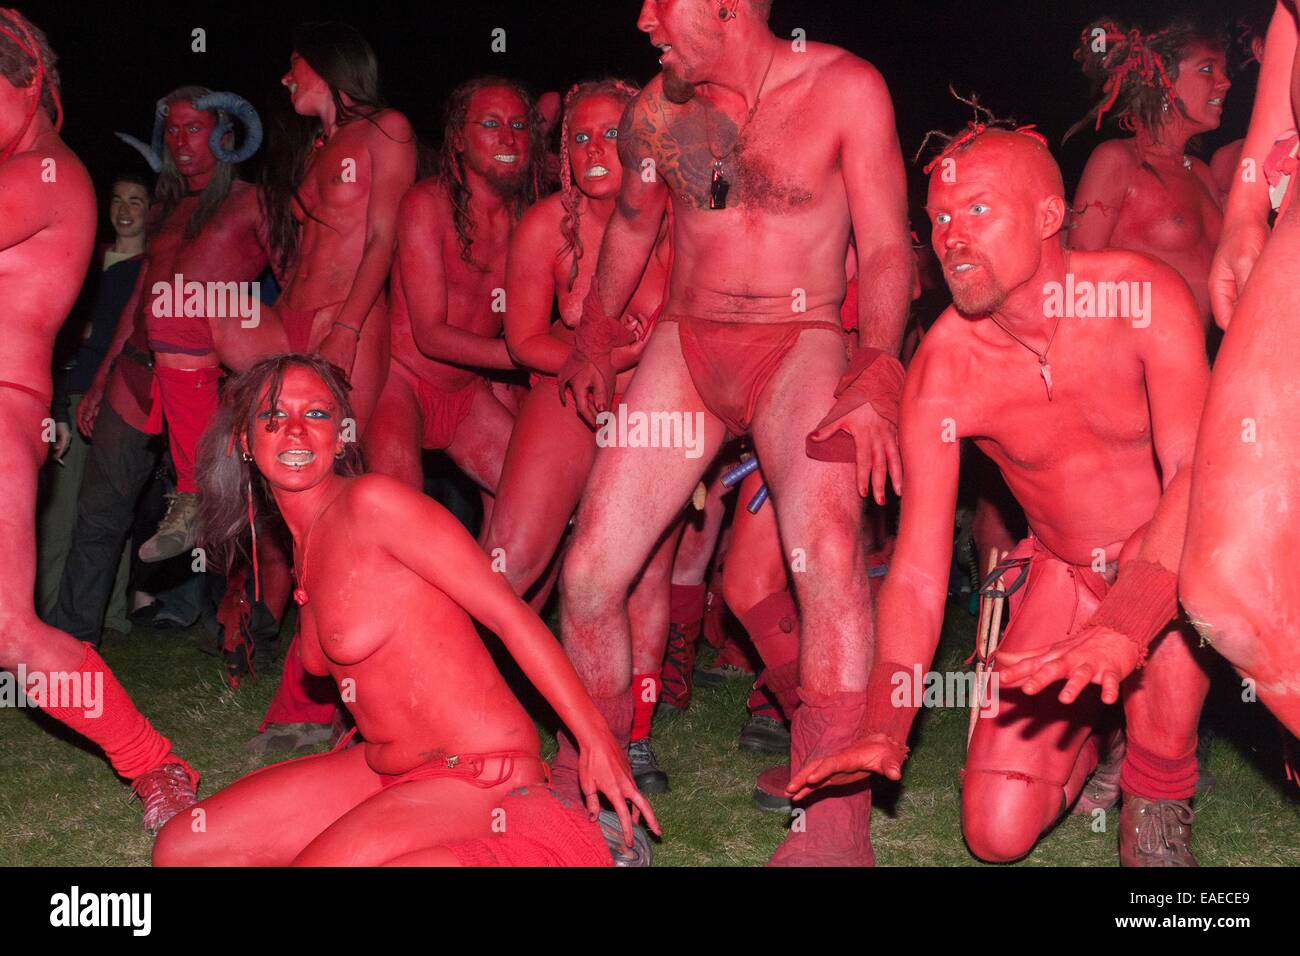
pixel 117 58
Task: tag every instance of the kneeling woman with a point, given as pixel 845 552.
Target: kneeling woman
pixel 448 770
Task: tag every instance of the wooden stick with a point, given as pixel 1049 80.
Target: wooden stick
pixel 982 642
pixel 987 637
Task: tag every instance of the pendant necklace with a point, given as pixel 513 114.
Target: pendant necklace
pixel 718 186
pixel 1044 367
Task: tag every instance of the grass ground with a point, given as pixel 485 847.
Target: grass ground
pixel 61 805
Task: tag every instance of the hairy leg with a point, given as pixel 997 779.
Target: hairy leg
pixel 629 500
pixel 819 513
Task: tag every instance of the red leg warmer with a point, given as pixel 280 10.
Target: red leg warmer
pixel 645 694
pixel 122 732
pixel 834 827
pixel 1153 777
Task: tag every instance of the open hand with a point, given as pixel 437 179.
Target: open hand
pixel 603 769
pixel 1096 655
pixel 874 753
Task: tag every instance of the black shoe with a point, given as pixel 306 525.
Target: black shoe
pixel 764 735
pixel 645 768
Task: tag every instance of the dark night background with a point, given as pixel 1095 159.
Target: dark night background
pixel 117 58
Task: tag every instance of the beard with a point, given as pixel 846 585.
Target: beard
pixel 980 297
pixel 506 181
pixel 676 89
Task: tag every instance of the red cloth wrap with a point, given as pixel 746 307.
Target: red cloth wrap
pixel 873 377
pixel 1142 602
pixel 596 336
pixel 1153 777
pixel 125 735
pixel 189 401
pixel 539 831
pixel 883 716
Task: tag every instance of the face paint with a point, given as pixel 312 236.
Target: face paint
pixel 185 137
pixel 299 451
pixel 593 146
pixel 495 138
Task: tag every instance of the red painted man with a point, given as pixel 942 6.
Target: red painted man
pixel 197 306
pixel 1090 413
pixel 449 300
pixel 47 232
pixel 769 153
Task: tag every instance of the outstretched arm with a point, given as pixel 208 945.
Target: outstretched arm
pixel 909 613
pixel 405 522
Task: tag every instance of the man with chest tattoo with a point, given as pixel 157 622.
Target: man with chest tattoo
pixel 453 236
pixel 768 155
pixel 1091 418
pixel 1145 193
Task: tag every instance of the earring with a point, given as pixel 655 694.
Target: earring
pixel 725 14
pixel 245 456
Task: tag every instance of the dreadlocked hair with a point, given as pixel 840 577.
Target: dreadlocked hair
pixel 451 168
pixel 570 195
pixel 227 482
pixel 984 121
pixel 25 51
pixel 1134 72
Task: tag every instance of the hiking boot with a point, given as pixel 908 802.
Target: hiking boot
pixel 645 768
pixel 1155 832
pixel 178 531
pixel 716 675
pixel 675 677
pixel 165 791
pixel 764 735
pixel 1101 792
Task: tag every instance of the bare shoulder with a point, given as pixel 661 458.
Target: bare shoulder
pixel 541 222
pixel 1156 293
pixel 1113 157
pixel 643 119
pixel 426 201
pixel 390 126
pixel 935 372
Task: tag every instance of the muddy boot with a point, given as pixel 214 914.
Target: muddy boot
pixel 831 827
pixel 1155 832
pixel 178 531
pixel 1101 792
